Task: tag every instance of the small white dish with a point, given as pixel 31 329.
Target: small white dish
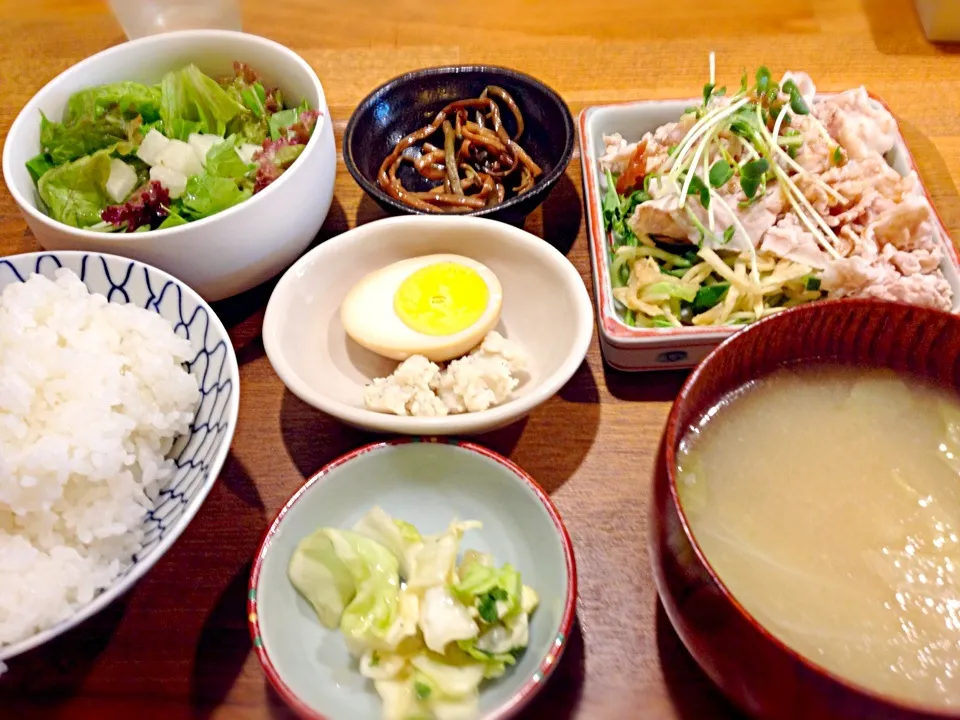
pixel 426 483
pixel 546 310
pixel 226 253
pixel 639 349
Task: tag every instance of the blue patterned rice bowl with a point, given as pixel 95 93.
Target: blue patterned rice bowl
pixel 197 455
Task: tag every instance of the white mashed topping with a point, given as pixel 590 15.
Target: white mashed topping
pixel 484 378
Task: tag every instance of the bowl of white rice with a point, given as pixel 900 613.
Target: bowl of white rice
pixel 119 392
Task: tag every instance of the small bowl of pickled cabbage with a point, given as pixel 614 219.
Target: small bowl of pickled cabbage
pixel 427 579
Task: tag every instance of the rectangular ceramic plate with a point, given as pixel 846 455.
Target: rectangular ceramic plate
pixel 636 349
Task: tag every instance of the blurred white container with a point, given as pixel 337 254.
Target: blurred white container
pixel 149 17
pixel 940 19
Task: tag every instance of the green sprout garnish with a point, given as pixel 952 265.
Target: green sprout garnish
pixel 751 175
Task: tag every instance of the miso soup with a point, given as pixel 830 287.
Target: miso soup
pixel 828 501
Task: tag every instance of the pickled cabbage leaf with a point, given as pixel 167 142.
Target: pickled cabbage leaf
pixel 368 610
pixel 194 102
pixel 400 701
pixel 513 635
pixel 323 579
pixel 433 560
pixel 450 677
pixel 425 560
pixel 379 665
pixel 397 536
pixel 444 619
pixel 76 193
pixel 496 593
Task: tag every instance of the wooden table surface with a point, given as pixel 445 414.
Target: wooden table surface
pixel 177 645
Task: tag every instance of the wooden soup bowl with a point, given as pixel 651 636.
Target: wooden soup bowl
pixel 757 672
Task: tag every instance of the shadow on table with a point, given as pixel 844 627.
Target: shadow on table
pixel 558 219
pixel 553 441
pixel 236 310
pixel 368 211
pixel 279 710
pixel 656 386
pixel 693 694
pixel 560 698
pixel 56 670
pixel 222 648
pixel 236 479
pixel 313 438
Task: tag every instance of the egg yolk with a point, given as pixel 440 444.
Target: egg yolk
pixel 441 299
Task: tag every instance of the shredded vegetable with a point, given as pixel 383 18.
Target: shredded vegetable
pixel 723 279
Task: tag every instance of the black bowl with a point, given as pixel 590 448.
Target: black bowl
pixel 409 102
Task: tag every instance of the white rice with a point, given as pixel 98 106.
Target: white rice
pixel 92 396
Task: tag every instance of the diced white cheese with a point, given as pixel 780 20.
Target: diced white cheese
pixel 175 182
pixel 179 156
pixel 122 180
pixel 247 150
pixel 151 147
pixel 202 143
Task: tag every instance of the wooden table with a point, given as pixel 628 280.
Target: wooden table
pixel 177 646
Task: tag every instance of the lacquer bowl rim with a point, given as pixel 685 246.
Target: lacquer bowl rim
pixel 673 434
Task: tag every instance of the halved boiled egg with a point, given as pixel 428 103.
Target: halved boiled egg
pixel 439 306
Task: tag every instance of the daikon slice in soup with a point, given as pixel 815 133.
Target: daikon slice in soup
pixel 827 500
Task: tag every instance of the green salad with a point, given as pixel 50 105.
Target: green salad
pixel 133 157
pixel 426 628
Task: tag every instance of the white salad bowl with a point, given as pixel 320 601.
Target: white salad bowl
pixel 546 310
pixel 223 254
pixel 199 456
pixel 428 484
pixel 639 349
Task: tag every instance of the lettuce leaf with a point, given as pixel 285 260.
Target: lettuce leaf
pixel 38 165
pixel 207 194
pixel 75 193
pixel 224 161
pixel 247 89
pixel 62 143
pixel 194 102
pixel 172 220
pixel 249 128
pixel 130 98
pixel 279 121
